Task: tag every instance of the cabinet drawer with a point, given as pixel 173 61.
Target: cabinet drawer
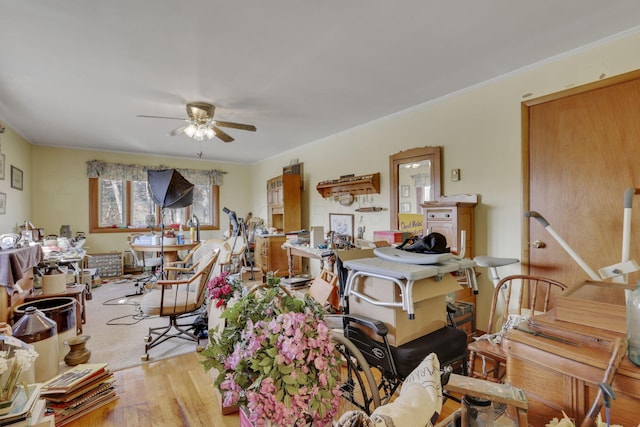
pixel 439 214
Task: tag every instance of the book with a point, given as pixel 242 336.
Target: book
pixel 107 377
pixel 34 418
pixel 66 415
pixel 81 400
pixel 74 378
pixel 23 404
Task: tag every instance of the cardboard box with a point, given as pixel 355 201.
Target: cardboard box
pixel 390 237
pixel 596 304
pixel 429 298
pixel 465 318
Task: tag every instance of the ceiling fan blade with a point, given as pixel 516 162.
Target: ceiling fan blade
pixel 236 125
pixel 222 134
pixel 160 117
pixel 178 131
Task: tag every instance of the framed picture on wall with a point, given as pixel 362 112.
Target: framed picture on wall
pixel 3 203
pixel 341 224
pixel 16 178
pixel 1 166
pixel 405 207
pixel 404 191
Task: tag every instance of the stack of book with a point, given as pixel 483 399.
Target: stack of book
pixel 79 390
pixel 28 409
pixel 295 282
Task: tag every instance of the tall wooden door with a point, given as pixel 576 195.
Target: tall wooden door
pixel 581 152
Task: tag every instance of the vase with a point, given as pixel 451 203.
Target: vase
pixel 78 352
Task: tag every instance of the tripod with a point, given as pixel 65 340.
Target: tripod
pixel 241 229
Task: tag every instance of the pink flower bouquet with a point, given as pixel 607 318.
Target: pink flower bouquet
pixel 276 356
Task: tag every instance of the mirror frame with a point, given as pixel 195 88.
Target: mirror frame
pixel 413 155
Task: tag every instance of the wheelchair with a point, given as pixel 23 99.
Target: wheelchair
pixel 374 370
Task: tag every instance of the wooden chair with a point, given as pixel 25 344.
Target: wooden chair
pixel 189 265
pixel 520 295
pixel 178 300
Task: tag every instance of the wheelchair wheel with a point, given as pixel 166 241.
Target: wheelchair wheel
pixel 359 389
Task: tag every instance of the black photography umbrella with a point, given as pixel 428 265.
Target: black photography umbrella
pixel 171 190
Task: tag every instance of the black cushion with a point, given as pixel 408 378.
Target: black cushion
pixel 448 343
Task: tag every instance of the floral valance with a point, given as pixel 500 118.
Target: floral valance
pixel 105 170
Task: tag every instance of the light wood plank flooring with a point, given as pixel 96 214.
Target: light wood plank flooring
pixel 173 392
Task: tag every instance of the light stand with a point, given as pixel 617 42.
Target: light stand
pixel 239 227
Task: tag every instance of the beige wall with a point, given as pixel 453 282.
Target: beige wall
pixel 478 128
pixel 61 193
pixel 17 152
pixel 480 132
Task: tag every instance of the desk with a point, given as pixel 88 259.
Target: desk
pixel 16 275
pixel 15 262
pixel 170 251
pixel 333 255
pixel 559 376
pixel 308 252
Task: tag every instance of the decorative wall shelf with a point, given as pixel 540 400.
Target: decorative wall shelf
pixel 354 185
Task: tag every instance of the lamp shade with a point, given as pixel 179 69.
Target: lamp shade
pixel 169 189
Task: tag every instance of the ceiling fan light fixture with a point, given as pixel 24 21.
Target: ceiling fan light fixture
pixel 190 130
pixel 210 133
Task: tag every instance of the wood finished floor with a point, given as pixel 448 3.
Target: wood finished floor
pixel 174 392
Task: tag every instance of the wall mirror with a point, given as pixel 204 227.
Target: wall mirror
pixel 415 179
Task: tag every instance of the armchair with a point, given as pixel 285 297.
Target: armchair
pixel 178 300
pixel 189 265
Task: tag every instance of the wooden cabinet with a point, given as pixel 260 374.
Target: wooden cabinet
pixel 284 202
pixel 449 218
pixel 562 373
pixel 270 256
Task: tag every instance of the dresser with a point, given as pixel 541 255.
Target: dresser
pixel 270 256
pixel 562 373
pixel 450 216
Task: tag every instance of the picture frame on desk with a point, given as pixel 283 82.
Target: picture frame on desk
pixel 16 178
pixel 341 224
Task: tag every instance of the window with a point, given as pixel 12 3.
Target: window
pixel 121 205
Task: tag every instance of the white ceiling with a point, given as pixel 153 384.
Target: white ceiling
pixel 75 73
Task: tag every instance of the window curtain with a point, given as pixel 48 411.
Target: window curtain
pixel 118 171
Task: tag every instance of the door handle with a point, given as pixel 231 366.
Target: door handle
pixel 538 244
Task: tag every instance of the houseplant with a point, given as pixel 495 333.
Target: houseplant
pixel 276 357
pixel 222 288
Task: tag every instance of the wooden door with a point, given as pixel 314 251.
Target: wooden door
pixel 581 152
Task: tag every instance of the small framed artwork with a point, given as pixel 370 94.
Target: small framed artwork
pixel 341 224
pixel 3 203
pixel 404 191
pixel 1 166
pixel 16 178
pixel 405 207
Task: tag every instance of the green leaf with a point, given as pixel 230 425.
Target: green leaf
pixel 285 369
pixel 288 379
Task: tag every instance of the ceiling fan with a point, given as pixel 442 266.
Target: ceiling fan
pixel 201 125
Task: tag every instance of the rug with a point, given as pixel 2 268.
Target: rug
pixel 117 328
